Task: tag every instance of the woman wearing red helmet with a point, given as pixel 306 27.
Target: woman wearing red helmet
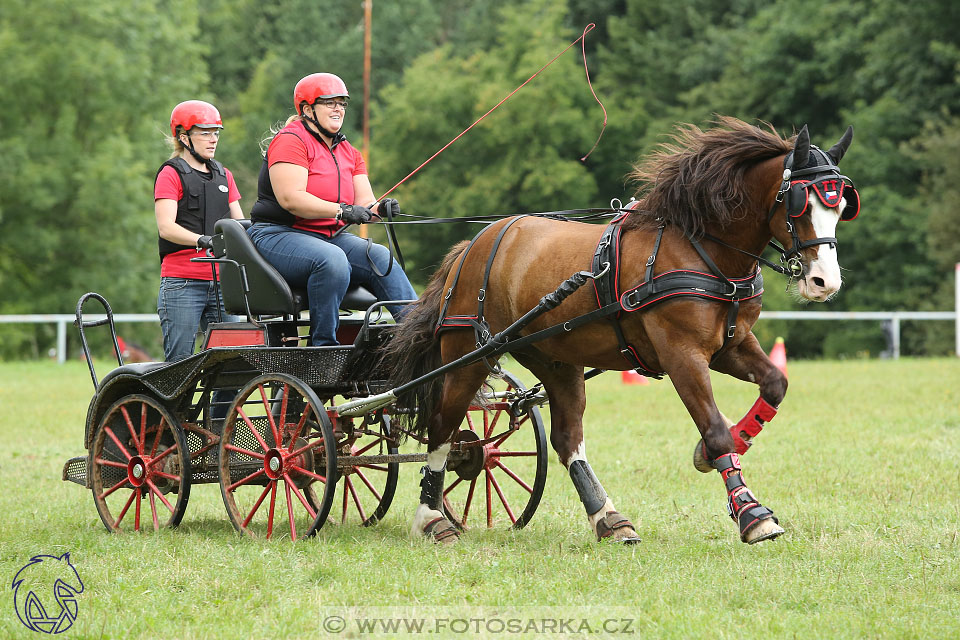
pixel 312 184
pixel 191 192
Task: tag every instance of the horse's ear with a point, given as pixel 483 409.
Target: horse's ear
pixel 836 151
pixel 801 149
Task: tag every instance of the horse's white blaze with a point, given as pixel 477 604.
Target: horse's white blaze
pixel 823 274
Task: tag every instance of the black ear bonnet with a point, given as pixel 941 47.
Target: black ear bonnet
pixel 821 175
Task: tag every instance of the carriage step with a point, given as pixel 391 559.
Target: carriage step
pixel 75 470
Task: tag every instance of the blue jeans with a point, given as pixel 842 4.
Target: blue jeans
pixel 186 307
pixel 326 267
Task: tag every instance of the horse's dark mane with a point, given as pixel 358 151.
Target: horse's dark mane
pixel 698 178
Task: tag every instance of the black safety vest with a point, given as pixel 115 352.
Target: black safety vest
pixel 204 201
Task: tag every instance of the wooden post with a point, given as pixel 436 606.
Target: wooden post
pixel 367 21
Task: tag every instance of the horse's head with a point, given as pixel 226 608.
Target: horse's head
pixel 813 197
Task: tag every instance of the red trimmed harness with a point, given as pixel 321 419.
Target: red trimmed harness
pixel 658 288
pixel 611 303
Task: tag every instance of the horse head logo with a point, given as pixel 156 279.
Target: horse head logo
pixel 32 587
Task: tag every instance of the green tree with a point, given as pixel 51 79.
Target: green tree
pixel 523 157
pixel 88 88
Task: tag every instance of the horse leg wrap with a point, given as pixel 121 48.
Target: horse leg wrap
pixel 588 487
pixel 431 487
pixel 751 424
pixel 743 507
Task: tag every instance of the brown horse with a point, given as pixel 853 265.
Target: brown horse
pixel 686 278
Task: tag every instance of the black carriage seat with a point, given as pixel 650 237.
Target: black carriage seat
pixel 270 293
pixel 138 369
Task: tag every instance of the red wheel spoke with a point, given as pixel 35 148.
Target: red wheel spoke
pixel 153 512
pixel 114 487
pixel 155 490
pixel 515 477
pixel 270 420
pixel 156 437
pixel 299 429
pixel 110 463
pixel 468 502
pixel 241 481
pixel 452 486
pixel 256 506
pixel 164 474
pixel 347 484
pixel 163 455
pixel 310 445
pixel 246 452
pixel 143 428
pixel 136 522
pixel 116 441
pixel 516 454
pixel 130 427
pixel 293 523
pixel 273 507
pixel 470 422
pixel 489 498
pixel 299 494
pixel 360 452
pixel 344 503
pixel 294 467
pixel 253 429
pixel 123 512
pixel 372 489
pixel 496 485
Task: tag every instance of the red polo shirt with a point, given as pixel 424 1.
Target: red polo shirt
pixel 329 172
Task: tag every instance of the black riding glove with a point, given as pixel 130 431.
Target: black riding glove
pixel 388 207
pixel 355 214
pixel 204 242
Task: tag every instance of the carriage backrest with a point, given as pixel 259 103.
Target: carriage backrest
pixel 269 293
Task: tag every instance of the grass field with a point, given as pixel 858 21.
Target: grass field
pixel 860 465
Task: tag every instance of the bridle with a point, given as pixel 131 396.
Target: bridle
pixel 829 184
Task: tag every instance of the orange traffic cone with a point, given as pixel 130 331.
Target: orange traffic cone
pixel 778 355
pixel 632 377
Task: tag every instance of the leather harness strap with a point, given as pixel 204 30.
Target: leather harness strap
pixel 611 303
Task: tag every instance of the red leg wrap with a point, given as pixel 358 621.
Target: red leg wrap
pixel 743 507
pixel 752 424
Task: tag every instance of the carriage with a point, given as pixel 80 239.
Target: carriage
pixel 254 411
pixel 675 287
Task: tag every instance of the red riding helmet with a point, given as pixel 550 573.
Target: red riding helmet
pixel 194 113
pixel 316 86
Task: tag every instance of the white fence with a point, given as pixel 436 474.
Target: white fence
pixel 893 317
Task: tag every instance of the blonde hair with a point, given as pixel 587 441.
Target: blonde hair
pixel 273 131
pixel 177 148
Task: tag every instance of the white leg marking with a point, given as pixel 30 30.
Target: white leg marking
pixel 438 458
pixel 423 515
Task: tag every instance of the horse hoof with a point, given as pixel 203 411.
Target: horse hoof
pixel 616 528
pixel 763 530
pixel 700 462
pixel 441 531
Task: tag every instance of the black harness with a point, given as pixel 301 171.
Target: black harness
pixel 819 173
pixel 658 288
pixel 611 303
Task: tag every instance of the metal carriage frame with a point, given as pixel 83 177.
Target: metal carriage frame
pixel 254 412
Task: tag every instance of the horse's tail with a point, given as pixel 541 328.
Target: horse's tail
pixel 414 350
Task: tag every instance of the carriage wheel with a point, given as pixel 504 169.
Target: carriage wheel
pixel 140 466
pixel 276 455
pixel 368 486
pixel 500 483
